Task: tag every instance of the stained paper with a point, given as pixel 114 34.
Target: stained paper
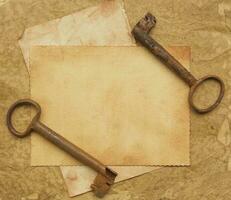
pixel 119 104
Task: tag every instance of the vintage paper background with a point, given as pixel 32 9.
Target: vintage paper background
pixel 113 102
pixel 96 20
pixel 202 24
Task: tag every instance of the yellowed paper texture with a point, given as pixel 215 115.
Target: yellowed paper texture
pixel 117 103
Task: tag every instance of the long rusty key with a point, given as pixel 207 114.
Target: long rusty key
pixel 140 32
pixel 105 177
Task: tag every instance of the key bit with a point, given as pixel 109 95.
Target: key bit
pixel 103 183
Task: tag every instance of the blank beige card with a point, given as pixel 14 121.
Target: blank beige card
pixel 119 104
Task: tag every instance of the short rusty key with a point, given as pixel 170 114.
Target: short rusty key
pixel 105 177
pixel 140 32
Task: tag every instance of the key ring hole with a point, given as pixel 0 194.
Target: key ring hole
pixel 197 84
pixel 12 109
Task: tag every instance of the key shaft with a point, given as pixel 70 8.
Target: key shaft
pixel 69 147
pixel 156 49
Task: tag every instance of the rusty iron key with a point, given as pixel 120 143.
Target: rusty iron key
pixel 140 32
pixel 105 177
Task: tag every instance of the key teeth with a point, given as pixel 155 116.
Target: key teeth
pixel 147 22
pixel 102 183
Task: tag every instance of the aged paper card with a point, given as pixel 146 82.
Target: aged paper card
pixel 118 103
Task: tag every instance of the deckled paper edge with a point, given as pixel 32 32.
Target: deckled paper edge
pixel 170 50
